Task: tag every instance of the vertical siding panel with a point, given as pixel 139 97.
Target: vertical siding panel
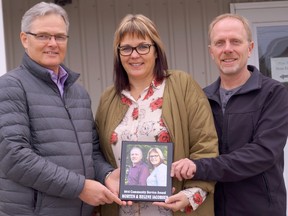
pixel 89 52
pixel 86 37
pixel 170 47
pixel 103 26
pixel 178 35
pixel 142 7
pixel 189 17
pixel 122 8
pixel 13 11
pixel 75 56
pixel 163 24
pixel 196 43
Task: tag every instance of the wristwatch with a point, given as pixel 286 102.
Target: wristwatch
pixel 107 175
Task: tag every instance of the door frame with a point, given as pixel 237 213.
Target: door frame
pixel 254 13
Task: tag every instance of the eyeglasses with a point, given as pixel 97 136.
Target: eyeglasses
pixel 44 37
pixel 141 49
pixel 154 156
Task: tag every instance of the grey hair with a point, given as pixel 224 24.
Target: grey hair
pixel 42 9
pixel 138 149
pixel 242 19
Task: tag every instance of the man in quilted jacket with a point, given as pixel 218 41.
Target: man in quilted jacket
pixel 50 160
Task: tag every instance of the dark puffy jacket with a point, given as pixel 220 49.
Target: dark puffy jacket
pixel 45 144
pixel 252 135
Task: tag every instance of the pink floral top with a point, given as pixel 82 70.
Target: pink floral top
pixel 143 122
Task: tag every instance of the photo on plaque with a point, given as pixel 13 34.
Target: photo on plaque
pixel 145 171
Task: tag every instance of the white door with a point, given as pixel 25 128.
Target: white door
pixel 269 21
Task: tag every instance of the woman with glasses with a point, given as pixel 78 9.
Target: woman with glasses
pixel 158 176
pixel 148 102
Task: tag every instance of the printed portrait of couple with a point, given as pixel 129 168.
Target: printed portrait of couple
pixel 146 165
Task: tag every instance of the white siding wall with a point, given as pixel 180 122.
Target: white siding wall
pixel 182 25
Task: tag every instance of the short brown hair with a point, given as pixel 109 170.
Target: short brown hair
pixel 233 16
pixel 141 26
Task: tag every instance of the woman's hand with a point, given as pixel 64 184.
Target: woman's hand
pixel 175 202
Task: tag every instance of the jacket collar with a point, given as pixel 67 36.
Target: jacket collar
pixel 253 83
pixel 43 74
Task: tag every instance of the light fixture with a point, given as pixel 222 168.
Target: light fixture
pixel 63 2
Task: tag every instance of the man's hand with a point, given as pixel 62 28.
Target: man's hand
pixel 174 202
pixel 183 169
pixel 112 182
pixel 94 193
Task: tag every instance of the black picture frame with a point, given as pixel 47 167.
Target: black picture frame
pixel 147 193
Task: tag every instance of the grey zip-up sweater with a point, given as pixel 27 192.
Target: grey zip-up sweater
pixel 47 144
